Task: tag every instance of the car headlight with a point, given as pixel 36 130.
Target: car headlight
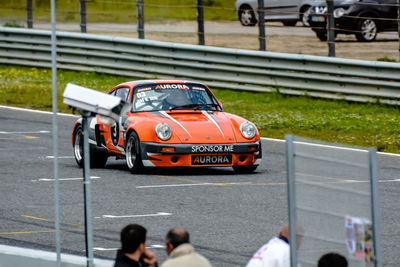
pixel 163 131
pixel 248 129
pixel 339 12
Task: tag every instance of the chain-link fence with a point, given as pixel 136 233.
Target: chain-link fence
pixel 332 196
pixel 220 23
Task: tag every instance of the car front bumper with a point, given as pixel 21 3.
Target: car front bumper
pixel 200 155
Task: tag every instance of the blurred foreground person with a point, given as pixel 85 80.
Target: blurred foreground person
pixel 332 260
pixel 133 252
pixel 276 252
pixel 180 252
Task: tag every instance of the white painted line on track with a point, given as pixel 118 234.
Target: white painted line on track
pixel 39 111
pixel 183 185
pixel 387 181
pixel 105 249
pixel 155 246
pixel 330 146
pixel 63 179
pixel 28 132
pixel 134 216
pixel 60 157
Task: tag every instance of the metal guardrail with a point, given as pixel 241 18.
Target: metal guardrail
pixel 325 77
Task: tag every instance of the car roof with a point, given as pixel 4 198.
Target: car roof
pixel 152 82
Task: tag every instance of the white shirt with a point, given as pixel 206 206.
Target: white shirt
pixel 275 253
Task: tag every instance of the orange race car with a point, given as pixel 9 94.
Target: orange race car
pixel 171 124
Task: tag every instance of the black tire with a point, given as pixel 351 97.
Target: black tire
pixel 290 23
pixel 78 146
pixel 97 159
pixel 244 169
pixel 132 153
pixel 322 35
pixel 247 16
pixel 367 30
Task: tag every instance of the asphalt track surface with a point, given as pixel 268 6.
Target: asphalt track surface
pixel 229 216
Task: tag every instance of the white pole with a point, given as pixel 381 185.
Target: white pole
pixel 55 129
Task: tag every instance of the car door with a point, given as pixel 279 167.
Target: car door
pixel 282 9
pixel 114 133
pixel 389 12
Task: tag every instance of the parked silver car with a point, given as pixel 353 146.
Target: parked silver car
pixel 287 11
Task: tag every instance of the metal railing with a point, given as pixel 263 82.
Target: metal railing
pixel 316 76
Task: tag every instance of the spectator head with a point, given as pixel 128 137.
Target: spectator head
pixel 284 232
pixel 332 260
pixel 176 237
pixel 132 237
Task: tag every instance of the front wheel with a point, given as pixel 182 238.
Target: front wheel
pixel 367 30
pixel 247 16
pixel 132 152
pixel 97 159
pixel 305 15
pixel 244 169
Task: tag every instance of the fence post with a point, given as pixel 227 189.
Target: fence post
pixel 83 15
pixel 140 18
pixel 29 14
pixel 398 23
pixel 86 190
pixel 290 174
pixel 331 28
pixel 261 25
pixel 200 22
pixel 373 173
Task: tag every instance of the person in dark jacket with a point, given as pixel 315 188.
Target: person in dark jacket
pixel 133 252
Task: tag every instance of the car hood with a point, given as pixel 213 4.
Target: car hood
pixel 199 126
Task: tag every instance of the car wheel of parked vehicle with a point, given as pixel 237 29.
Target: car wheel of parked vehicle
pixel 244 169
pixel 289 22
pixel 247 16
pixel 97 159
pixel 132 153
pixel 322 35
pixel 367 30
pixel 305 15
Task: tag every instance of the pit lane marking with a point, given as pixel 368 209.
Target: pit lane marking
pixel 63 179
pixel 27 232
pixel 23 134
pixel 26 132
pixel 24 148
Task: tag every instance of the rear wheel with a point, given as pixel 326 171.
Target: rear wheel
pixel 132 153
pixel 367 30
pixel 247 16
pixel 244 169
pixel 289 22
pixel 97 159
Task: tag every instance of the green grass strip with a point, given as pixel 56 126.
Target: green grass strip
pixel 366 125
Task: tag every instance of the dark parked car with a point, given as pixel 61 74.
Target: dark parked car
pixel 363 18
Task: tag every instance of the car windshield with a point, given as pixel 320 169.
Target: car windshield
pixel 171 96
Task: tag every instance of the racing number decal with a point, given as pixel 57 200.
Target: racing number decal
pixel 114 132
